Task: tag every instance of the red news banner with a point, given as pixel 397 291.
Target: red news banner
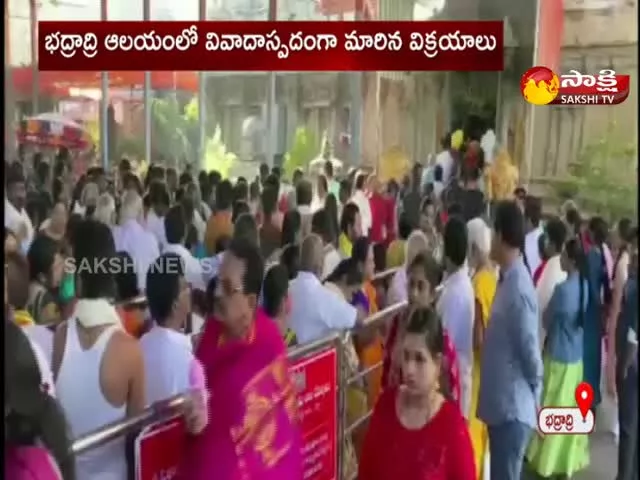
pixel 159 447
pixel 271 46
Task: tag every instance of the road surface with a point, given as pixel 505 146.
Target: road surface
pixel 604 459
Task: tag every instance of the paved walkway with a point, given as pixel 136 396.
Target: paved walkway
pixel 604 460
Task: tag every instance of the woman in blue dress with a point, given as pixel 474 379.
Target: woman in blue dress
pixel 599 299
pixel 553 456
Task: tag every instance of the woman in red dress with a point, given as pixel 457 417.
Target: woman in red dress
pixel 417 432
pixel 424 275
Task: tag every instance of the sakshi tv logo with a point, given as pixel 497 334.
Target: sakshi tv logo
pixel 542 86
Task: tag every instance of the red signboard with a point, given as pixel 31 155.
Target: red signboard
pixel 159 450
pixel 159 447
pixel 317 390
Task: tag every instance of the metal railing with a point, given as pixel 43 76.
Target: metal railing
pixel 112 431
pixel 385 274
pixel 173 406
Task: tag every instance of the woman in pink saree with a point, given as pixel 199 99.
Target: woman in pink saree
pixel 252 432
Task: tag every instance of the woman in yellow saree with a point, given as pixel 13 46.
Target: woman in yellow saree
pixel 485 282
pixel 502 178
pixel 346 282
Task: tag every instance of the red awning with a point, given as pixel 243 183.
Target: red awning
pixel 53 132
pixel 59 83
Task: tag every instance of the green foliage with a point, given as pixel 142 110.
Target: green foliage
pixel 604 180
pixel 175 136
pixel 216 156
pixel 175 130
pixel 303 150
pixel 473 94
pixel 130 147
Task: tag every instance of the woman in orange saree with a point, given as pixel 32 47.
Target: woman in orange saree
pixel 370 349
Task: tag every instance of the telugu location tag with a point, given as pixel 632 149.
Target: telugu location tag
pixel 584 398
pixel 569 420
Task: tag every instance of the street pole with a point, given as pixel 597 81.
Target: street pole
pixel 355 90
pixel 531 112
pixel 9 88
pixel 104 102
pixel 272 122
pixel 146 93
pixel 35 74
pixel 497 124
pixel 202 102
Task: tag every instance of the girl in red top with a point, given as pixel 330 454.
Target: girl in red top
pixel 542 251
pixel 417 432
pixel 424 276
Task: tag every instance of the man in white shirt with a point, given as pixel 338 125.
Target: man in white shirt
pixel 321 226
pixel 361 200
pixel 192 201
pixel 456 305
pixel 131 237
pixel 315 311
pixel 175 226
pixel 445 161
pixel 333 185
pixel 488 145
pixel 15 215
pixel 304 199
pixel 160 200
pixel 533 215
pixel 170 366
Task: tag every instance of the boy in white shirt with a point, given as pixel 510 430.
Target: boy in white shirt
pixel 170 365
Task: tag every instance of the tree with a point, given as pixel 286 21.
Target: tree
pixel 175 129
pixel 603 181
pixel 217 157
pixel 303 150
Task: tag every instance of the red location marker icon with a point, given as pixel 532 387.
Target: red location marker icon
pixel 584 398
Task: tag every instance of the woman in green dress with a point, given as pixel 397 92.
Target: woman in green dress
pixel 553 456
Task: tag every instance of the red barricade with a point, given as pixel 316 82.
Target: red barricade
pixel 317 387
pixel 159 449
pixel 159 446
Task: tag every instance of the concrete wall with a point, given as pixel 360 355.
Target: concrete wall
pixel 595 39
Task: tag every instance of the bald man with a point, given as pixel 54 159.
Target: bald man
pixel 312 255
pixel 316 311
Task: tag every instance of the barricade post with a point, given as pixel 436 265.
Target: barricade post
pixel 316 369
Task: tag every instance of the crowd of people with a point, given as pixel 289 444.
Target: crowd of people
pixel 123 291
